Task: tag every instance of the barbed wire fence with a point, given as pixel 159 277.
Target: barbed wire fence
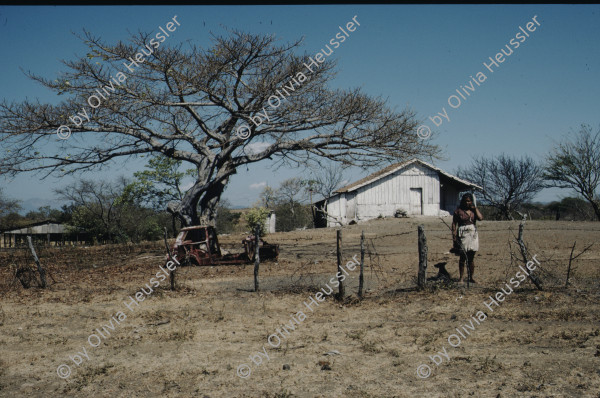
pixel 554 271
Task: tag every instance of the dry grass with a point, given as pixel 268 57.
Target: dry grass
pixel 189 343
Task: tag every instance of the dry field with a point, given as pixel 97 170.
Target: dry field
pixel 190 342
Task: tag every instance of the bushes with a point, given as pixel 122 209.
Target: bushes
pixel 256 217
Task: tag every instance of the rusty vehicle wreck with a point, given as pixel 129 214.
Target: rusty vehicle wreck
pixel 199 245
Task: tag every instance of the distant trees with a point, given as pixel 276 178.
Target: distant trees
pixel 324 182
pixel 575 164
pixel 289 202
pixel 290 210
pixel 268 197
pixel 8 207
pixel 571 209
pixel 46 213
pixel 108 213
pixel 507 182
pixel 226 220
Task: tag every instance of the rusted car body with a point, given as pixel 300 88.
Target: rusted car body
pixel 199 245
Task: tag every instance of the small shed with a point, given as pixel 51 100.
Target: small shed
pixel 46 232
pixel 415 187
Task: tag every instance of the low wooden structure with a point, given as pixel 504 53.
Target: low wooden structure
pixel 45 232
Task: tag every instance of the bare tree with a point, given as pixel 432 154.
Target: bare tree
pixel 327 179
pixel 575 164
pixel 507 182
pixel 8 205
pixel 98 206
pixel 188 104
pixel 9 208
pixel 291 194
pixel 267 198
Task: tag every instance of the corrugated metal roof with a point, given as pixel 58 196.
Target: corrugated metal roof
pixel 398 166
pixel 44 227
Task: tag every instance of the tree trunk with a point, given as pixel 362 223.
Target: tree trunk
pixel 201 195
pixel 185 210
pixel 596 208
pixel 210 200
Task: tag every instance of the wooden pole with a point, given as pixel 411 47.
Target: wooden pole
pixel 570 261
pixel 37 261
pixel 341 292
pixel 171 273
pixel 361 279
pixel 421 278
pixel 256 257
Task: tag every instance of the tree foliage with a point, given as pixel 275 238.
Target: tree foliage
pixel 8 205
pixel 160 184
pixel 226 221
pixel 507 182
pixel 571 209
pixel 101 209
pixel 187 103
pixel 256 217
pixel 289 202
pixel 47 213
pixel 9 212
pixel 575 164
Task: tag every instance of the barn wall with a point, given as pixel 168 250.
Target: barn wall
pixel 334 210
pixel 386 195
pixel 393 192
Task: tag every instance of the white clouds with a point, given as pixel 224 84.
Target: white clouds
pixel 258 185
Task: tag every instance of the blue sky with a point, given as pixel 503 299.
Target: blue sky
pixel 413 55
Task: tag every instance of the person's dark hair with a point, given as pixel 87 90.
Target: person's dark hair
pixel 463 200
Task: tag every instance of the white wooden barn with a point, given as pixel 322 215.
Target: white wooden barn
pixel 416 187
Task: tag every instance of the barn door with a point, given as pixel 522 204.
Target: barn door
pixel 416 200
pixel 351 206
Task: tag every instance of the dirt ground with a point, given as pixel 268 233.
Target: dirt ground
pixel 194 341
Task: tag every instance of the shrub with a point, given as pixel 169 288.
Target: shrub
pixel 257 217
pixel 400 213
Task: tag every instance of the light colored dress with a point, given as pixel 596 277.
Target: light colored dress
pixel 469 239
pixel 467 230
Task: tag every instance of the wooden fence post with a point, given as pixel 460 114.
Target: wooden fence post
pixel 362 265
pixel 421 279
pixel 37 262
pixel 171 273
pixel 570 261
pixel 256 257
pixel 341 292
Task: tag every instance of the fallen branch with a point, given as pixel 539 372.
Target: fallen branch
pixel 534 278
pixel 37 262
